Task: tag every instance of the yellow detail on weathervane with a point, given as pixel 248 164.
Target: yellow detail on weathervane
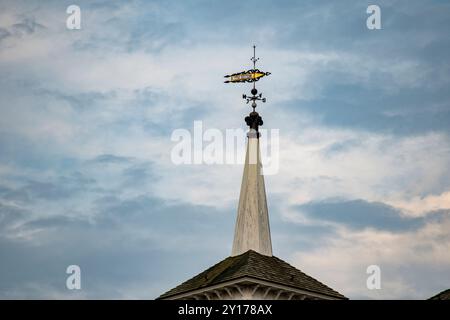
pixel 251 75
pixel 246 76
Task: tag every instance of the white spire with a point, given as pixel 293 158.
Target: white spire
pixel 252 231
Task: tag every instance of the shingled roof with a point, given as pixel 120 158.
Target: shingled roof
pixel 444 295
pixel 254 265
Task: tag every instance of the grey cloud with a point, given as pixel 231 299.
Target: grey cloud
pixel 110 158
pixel 10 194
pixel 360 214
pixel 4 33
pixel 60 188
pixel 27 26
pixel 125 246
pixel 139 174
pixel 9 215
pixel 341 147
pixel 57 222
pixel 161 216
pixel 121 254
pixel 151 29
pixel 79 101
pixel 406 112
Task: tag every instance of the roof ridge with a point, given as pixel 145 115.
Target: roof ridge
pixel 258 266
pixel 441 294
pixel 222 266
pixel 236 260
pixel 198 276
pixel 306 275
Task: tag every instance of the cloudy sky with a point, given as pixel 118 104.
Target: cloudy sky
pixel 86 118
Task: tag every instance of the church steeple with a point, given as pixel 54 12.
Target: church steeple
pixel 252 272
pixel 252 231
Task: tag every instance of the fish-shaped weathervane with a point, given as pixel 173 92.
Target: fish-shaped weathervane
pixel 251 75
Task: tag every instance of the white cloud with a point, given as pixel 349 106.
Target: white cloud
pixel 324 163
pixel 343 261
pixel 418 205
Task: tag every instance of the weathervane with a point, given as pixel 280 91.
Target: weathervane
pixel 252 75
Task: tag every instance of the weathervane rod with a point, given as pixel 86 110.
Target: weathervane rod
pixel 254 62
